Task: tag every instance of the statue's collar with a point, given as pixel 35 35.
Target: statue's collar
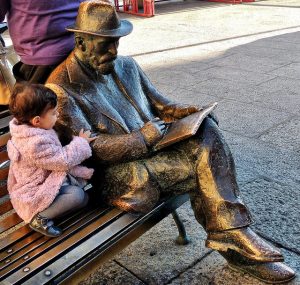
pixel 74 69
pixel 77 70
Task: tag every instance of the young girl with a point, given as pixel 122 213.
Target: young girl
pixel 45 178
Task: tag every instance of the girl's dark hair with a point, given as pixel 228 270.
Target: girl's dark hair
pixel 30 100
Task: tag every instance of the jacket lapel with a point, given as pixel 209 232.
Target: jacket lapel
pixel 77 76
pixel 133 94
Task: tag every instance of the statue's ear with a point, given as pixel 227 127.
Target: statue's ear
pixel 80 43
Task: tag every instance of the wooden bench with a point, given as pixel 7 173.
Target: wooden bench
pixel 90 237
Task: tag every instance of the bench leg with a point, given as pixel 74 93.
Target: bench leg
pixel 182 239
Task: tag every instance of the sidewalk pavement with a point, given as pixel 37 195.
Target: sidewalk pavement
pixel 246 57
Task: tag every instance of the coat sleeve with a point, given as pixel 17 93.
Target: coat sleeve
pixel 81 172
pixel 49 155
pixel 107 148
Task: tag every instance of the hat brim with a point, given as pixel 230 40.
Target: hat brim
pixel 123 30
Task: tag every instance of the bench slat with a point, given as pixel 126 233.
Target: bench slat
pixel 26 242
pixel 16 236
pixel 3 188
pixel 49 243
pixel 4 138
pixel 5 207
pixel 3 155
pixel 9 222
pixel 4 121
pixel 8 240
pixel 62 247
pixel 4 173
pixel 4 114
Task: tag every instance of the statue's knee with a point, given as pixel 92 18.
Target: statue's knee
pixel 209 131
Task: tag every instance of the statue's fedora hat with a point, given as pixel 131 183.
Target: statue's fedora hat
pixel 100 18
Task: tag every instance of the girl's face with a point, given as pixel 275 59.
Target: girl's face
pixel 47 120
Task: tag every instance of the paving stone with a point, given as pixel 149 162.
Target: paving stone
pixel 281 93
pixel 245 175
pixel 285 136
pixel 174 77
pixel 251 63
pixel 235 74
pixel 223 88
pixel 186 96
pixel 202 272
pixel 292 70
pixel 248 119
pixel 163 58
pixel 259 158
pixel 111 274
pixel 270 204
pixel 269 51
pixel 155 258
pixel 290 37
pixel 281 44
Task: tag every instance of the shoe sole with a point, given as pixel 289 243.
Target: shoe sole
pixel 43 232
pixel 226 246
pixel 239 269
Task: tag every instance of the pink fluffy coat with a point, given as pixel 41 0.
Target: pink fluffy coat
pixel 39 165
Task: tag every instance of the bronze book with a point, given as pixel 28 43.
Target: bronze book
pixel 184 128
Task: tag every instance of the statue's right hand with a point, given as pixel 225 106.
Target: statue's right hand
pixel 153 131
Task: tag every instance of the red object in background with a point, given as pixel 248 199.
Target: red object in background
pixel 132 7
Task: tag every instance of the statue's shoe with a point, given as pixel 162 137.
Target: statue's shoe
pixel 246 242
pixel 269 272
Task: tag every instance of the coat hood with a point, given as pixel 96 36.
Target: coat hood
pixel 25 131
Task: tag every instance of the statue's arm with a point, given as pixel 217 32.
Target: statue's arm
pixel 122 148
pixel 119 148
pixel 107 148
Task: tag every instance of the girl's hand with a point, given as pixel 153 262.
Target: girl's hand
pixel 86 135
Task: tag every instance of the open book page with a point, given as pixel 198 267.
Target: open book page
pixel 184 128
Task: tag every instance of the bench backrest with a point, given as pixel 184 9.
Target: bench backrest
pixel 9 218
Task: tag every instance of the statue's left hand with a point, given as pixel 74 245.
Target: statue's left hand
pixel 178 111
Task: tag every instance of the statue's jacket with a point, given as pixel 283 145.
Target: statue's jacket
pixel 84 103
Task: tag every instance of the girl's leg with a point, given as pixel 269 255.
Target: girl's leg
pixel 70 198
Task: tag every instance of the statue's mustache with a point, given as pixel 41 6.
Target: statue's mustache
pixel 103 59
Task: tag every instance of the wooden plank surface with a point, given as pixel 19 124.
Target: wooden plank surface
pixel 9 222
pixel 5 206
pixel 3 188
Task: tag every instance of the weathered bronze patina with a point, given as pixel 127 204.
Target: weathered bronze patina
pixel 111 95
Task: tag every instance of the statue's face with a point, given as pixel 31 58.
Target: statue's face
pixel 101 52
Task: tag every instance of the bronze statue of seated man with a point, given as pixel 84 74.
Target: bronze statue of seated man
pixel 111 96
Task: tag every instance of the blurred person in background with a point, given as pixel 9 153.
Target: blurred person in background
pixel 39 37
